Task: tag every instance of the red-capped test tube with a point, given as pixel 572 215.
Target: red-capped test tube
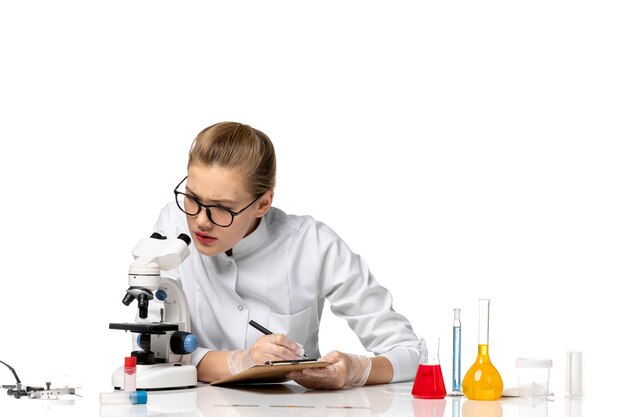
pixel 130 373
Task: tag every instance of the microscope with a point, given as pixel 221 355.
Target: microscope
pixel 163 360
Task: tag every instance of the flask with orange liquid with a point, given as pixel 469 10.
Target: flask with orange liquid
pixel 482 380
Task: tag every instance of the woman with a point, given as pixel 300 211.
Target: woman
pixel 251 261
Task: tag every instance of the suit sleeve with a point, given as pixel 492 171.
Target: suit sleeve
pixel 356 296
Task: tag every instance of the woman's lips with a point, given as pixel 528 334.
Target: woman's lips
pixel 204 239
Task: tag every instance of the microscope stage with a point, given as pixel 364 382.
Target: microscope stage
pixel 149 328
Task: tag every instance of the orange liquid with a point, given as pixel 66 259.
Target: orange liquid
pixel 482 380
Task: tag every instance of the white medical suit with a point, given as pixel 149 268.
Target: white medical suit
pixel 280 276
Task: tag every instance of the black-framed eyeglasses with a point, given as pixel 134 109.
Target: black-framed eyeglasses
pixel 218 215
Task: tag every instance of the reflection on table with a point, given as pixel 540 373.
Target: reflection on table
pixel 293 400
pixel 383 400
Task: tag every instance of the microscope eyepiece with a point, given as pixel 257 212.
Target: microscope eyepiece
pixel 142 304
pixel 128 298
pixel 185 238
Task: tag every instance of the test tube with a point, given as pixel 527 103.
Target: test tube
pixel 123 397
pixel 130 373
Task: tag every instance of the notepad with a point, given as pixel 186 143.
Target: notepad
pixel 270 372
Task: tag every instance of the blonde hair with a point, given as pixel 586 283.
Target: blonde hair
pixel 241 147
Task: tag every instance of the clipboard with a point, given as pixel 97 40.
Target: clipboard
pixel 270 372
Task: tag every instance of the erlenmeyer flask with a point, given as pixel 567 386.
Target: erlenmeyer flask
pixel 482 380
pixel 428 382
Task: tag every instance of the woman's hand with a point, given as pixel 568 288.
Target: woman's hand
pixel 345 370
pixel 271 347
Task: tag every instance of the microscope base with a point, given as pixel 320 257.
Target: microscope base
pixel 159 376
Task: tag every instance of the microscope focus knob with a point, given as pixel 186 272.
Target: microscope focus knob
pixel 183 343
pixel 160 295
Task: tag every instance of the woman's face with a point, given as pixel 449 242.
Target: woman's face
pixel 224 187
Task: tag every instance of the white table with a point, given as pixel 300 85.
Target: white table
pixel 293 400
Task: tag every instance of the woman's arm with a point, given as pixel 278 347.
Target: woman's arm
pixel 213 366
pixel 216 365
pixel 346 370
pixel 354 294
pixel 382 371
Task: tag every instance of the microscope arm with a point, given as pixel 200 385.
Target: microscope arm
pixel 175 305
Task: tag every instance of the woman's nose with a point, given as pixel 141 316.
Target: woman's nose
pixel 202 219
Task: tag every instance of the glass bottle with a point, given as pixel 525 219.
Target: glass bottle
pixel 482 380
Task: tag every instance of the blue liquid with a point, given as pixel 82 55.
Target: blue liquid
pixel 456 358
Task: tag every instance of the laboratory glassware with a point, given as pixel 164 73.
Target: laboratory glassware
pixel 429 382
pixel 456 355
pixel 482 381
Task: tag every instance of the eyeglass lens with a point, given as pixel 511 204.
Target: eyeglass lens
pixel 191 207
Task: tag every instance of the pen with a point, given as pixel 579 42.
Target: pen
pixel 259 327
pixel 263 330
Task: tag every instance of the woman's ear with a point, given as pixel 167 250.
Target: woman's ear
pixel 265 203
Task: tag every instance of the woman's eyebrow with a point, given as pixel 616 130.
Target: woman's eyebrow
pixel 219 201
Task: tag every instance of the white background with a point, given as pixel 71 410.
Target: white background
pixel 465 149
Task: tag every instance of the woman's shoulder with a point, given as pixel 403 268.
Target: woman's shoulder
pixel 297 225
pixel 278 218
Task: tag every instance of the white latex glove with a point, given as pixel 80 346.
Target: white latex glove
pixel 272 347
pixel 346 370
